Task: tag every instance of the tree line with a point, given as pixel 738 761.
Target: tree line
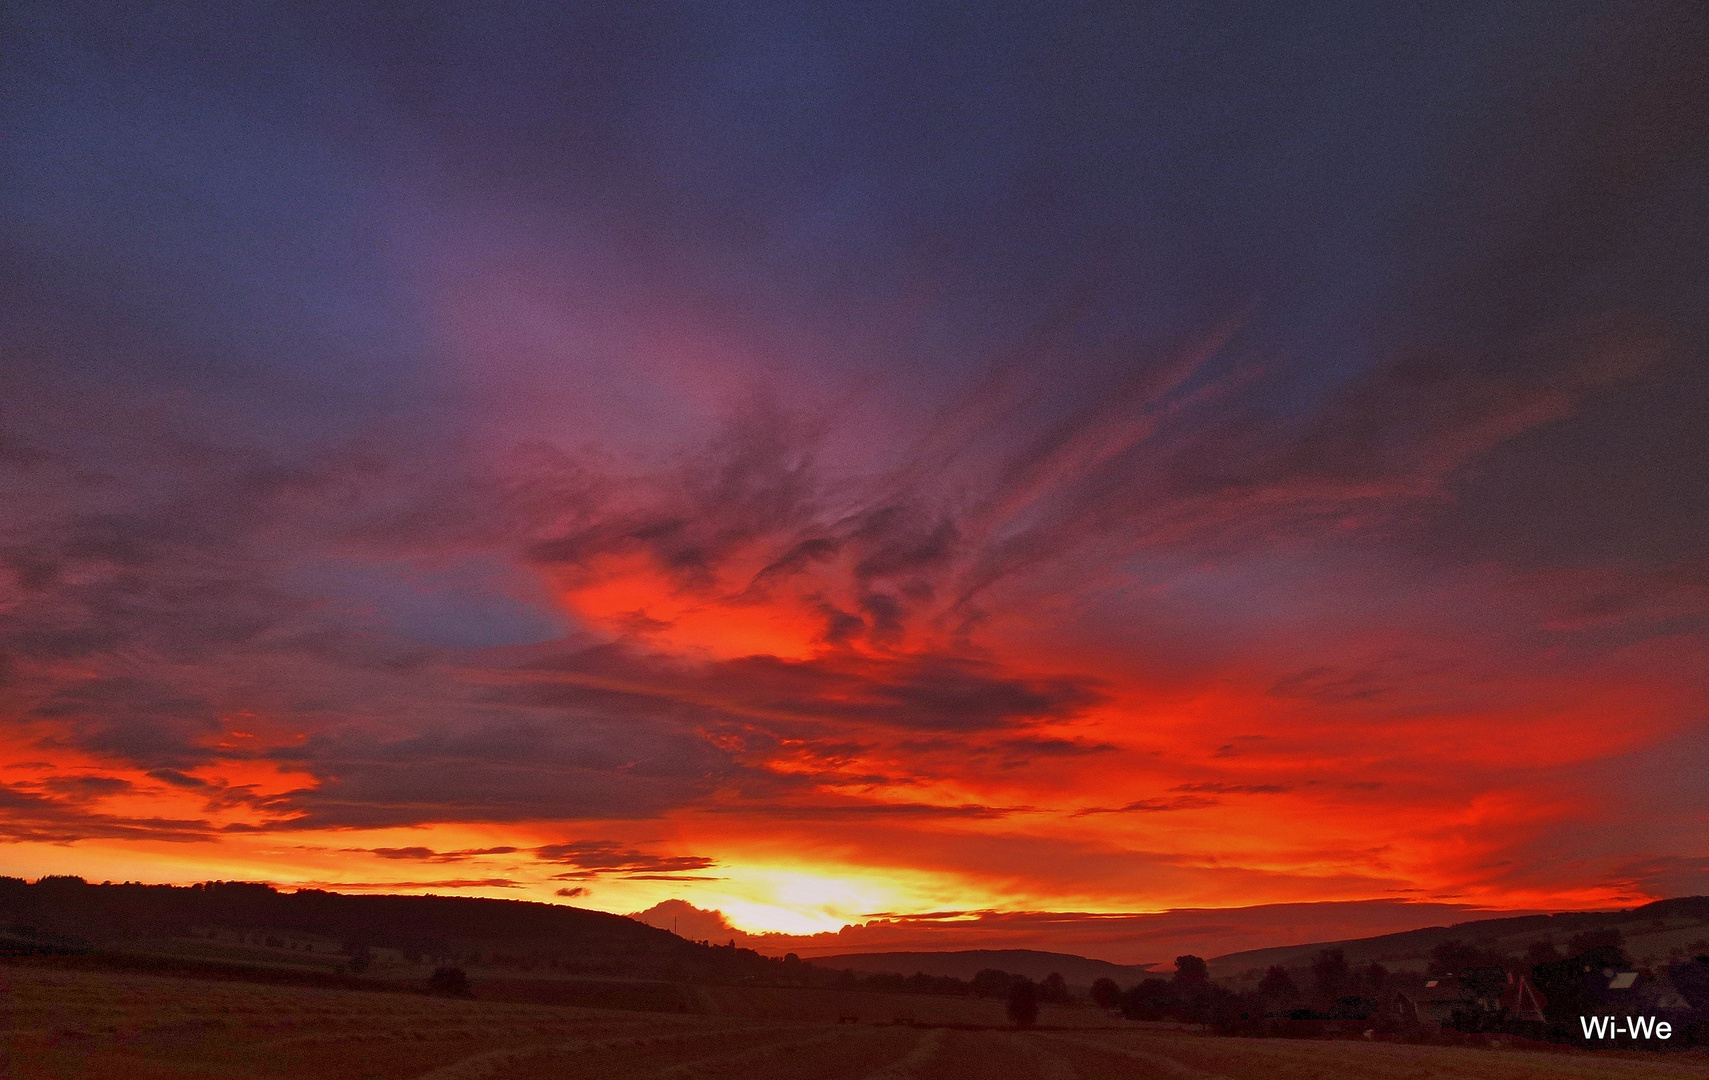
pixel 1331 997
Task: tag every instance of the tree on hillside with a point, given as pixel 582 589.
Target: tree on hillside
pixel 1542 951
pixel 1191 971
pixel 1329 973
pixel 1458 958
pixel 1054 989
pixel 1023 1002
pixel 360 956
pixel 1609 939
pixel 450 982
pixel 992 983
pixel 1278 983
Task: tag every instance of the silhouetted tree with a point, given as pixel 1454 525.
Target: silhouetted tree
pixel 1329 973
pixel 1375 976
pixel 1023 1002
pixel 1054 989
pixel 992 983
pixel 1278 983
pixel 1353 1008
pixel 1605 939
pixel 1105 993
pixel 360 956
pixel 1191 971
pixel 1237 1014
pixel 1542 952
pixel 1150 1000
pixel 449 981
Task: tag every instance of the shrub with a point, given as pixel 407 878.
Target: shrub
pixel 993 983
pixel 1278 983
pixel 1054 989
pixel 449 982
pixel 1106 994
pixel 1150 1000
pixel 1023 1003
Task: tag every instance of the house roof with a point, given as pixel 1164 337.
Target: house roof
pixel 1522 999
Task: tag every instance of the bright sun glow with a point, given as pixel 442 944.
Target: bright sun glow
pixel 770 899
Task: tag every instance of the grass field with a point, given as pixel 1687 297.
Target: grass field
pixel 140 1027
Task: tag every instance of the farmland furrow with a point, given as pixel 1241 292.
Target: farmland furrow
pixel 1190 1057
pixel 496 1062
pixel 908 1066
pixel 1098 1058
pixel 836 1053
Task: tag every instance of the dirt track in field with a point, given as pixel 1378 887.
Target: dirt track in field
pixel 136 1027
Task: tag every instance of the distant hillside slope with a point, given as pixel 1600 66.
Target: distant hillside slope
pixel 1075 970
pixel 62 912
pixel 1651 932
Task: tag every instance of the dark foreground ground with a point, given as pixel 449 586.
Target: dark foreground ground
pixel 60 1023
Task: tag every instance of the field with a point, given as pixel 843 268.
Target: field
pixel 66 1023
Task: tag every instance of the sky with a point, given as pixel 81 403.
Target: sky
pixel 904 464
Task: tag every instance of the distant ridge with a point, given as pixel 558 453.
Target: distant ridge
pixel 1077 971
pixel 67 915
pixel 1652 930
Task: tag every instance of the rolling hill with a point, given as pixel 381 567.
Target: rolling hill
pixel 1652 933
pixel 1077 971
pixel 313 929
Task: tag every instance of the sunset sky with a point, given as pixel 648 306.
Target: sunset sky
pixel 829 462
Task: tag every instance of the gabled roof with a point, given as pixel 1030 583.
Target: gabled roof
pixel 1522 999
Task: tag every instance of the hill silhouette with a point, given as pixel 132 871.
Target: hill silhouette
pixel 330 931
pixel 1653 930
pixel 1078 971
pixel 67 914
pixel 512 950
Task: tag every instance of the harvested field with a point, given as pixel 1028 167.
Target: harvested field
pixel 826 1005
pixel 68 1023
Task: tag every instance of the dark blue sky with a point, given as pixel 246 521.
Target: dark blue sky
pixel 253 194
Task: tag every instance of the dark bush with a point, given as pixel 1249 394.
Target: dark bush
pixel 1054 990
pixel 1238 1014
pixel 1278 983
pixel 1329 973
pixel 1608 938
pixel 1023 1002
pixel 1150 1000
pixel 360 956
pixel 449 982
pixel 1106 994
pixel 992 983
pixel 1352 1008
